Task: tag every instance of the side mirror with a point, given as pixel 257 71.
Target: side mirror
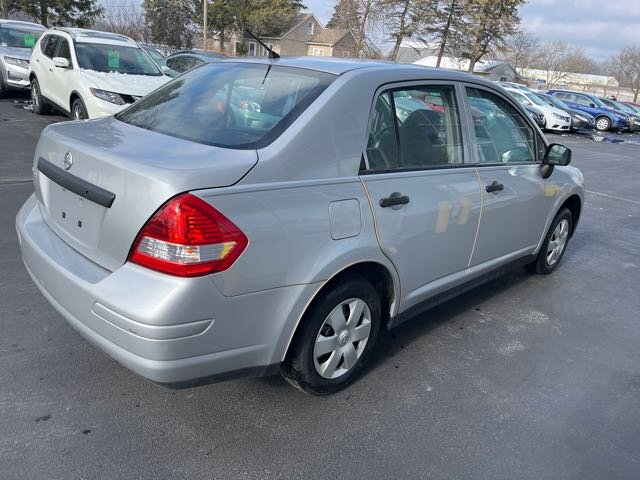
pixel 557 155
pixel 166 70
pixel 527 102
pixel 592 105
pixel 61 62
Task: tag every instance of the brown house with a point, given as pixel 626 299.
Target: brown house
pixel 332 42
pixel 290 40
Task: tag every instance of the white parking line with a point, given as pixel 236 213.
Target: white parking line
pixel 615 198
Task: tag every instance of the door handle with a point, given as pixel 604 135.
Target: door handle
pixel 494 187
pixel 396 198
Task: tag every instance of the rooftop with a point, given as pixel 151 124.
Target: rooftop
pixel 87 34
pixel 21 24
pixel 330 36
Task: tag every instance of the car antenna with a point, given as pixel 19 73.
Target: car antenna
pixel 272 54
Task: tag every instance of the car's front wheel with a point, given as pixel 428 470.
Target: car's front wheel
pixel 554 245
pixel 335 338
pixel 603 124
pixel 78 110
pixel 39 105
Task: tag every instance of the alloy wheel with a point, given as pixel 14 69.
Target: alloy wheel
pixel 602 124
pixel 342 338
pixel 557 242
pixel 35 100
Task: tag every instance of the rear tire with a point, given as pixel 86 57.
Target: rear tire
pixel 554 244
pixel 39 105
pixel 335 338
pixel 78 110
pixel 603 124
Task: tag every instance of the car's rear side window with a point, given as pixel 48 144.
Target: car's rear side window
pixel 231 105
pixel 415 128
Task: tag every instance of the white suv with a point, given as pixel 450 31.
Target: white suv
pixel 89 74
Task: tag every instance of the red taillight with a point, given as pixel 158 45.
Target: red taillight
pixel 187 237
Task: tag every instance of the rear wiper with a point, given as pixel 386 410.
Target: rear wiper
pixel 272 54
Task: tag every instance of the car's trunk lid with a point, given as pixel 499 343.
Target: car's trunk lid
pixel 117 177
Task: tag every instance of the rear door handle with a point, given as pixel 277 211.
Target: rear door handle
pixel 494 187
pixel 396 198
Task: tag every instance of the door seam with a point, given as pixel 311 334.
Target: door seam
pixel 375 230
pixel 475 240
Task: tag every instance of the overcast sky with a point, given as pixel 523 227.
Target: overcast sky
pixel 601 27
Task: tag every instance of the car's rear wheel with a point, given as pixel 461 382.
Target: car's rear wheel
pixel 335 339
pixel 39 105
pixel 554 245
pixel 603 124
pixel 78 110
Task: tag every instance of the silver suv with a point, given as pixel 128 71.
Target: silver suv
pixel 17 39
pixel 274 215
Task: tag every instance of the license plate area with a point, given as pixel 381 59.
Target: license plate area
pixel 78 219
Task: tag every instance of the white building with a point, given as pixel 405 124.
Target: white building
pixel 489 69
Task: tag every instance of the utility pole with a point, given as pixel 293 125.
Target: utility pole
pixel 204 24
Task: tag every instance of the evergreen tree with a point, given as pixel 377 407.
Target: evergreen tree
pixel 78 13
pixel 170 22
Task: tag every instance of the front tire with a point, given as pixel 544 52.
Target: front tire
pixel 335 339
pixel 603 124
pixel 78 110
pixel 40 107
pixel 554 245
pixel 3 89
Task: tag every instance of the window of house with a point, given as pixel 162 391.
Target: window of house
pixel 252 49
pixel 317 52
pixel 310 26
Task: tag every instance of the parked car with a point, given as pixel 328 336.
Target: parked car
pixel 514 85
pixel 536 115
pixel 579 120
pixel 160 59
pixel 191 238
pixel 555 119
pixel 89 74
pixel 16 41
pixel 606 118
pixel 188 59
pixel 634 106
pixel 634 124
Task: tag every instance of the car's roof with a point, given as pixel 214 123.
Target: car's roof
pixel 84 34
pixel 21 24
pixel 339 66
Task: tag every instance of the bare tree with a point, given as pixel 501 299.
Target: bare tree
pixel 629 64
pixel 125 19
pixel 521 51
pixel 552 59
pixel 403 19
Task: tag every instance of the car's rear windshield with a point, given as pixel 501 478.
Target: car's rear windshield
pixel 230 105
pixel 107 58
pixel 19 37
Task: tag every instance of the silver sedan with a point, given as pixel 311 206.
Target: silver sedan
pixel 258 216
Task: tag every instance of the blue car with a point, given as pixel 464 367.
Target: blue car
pixel 606 118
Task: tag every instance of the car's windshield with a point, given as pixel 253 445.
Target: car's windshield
pixel 535 99
pixel 115 58
pixel 553 101
pixel 598 103
pixel 231 105
pixel 19 37
pixel 155 55
pixel 623 107
pixel 520 98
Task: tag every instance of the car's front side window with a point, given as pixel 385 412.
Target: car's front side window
pixel 502 134
pixel 415 128
pixel 51 46
pixel 65 51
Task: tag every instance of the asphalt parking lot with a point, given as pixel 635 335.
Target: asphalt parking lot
pixel 528 377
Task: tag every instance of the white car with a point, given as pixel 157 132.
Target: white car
pixel 89 74
pixel 555 119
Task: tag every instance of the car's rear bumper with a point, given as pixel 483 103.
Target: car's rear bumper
pixel 170 330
